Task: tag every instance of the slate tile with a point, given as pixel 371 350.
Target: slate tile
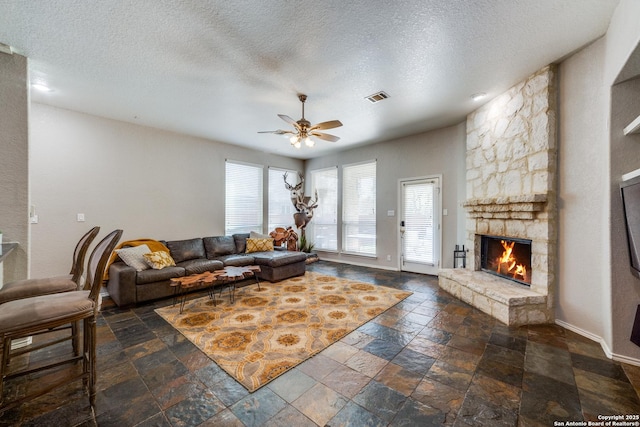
pixel 546 400
pixel 320 403
pixel 414 413
pixel 290 416
pixel 478 412
pixel 194 410
pixel 292 384
pixel 346 381
pixel 384 349
pixel 353 415
pixel 380 400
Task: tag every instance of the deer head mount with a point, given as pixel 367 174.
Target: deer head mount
pixel 304 205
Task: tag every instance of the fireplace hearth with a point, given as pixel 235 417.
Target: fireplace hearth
pixel 506 257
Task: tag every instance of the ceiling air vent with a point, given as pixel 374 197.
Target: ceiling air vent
pixel 377 97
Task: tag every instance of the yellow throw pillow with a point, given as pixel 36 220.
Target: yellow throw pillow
pixel 159 260
pixel 259 245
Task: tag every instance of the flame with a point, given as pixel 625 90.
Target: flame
pixel 509 263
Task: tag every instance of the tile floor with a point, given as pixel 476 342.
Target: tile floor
pixel 430 360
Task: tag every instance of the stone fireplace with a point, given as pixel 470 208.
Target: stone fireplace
pixel 511 197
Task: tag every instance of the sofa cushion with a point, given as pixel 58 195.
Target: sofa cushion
pixel 196 266
pixel 151 275
pixel 183 250
pixel 236 260
pixel 241 242
pixel 278 258
pixel 219 246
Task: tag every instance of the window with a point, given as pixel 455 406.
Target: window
pixel 281 208
pixel 243 198
pixel 322 231
pixel 359 208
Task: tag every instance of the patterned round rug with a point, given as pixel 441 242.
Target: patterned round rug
pixel 269 331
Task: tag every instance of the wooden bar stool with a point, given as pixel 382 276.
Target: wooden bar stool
pixel 28 316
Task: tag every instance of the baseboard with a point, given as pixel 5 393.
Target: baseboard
pixel 379 267
pixel 602 342
pixel 626 359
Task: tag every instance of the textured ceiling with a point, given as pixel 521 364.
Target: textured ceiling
pixel 222 70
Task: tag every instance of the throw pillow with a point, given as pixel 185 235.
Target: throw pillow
pixel 259 245
pixel 159 260
pixel 134 256
pixel 256 235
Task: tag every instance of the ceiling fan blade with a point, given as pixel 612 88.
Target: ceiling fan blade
pixel 289 120
pixel 327 125
pixel 325 136
pixel 277 132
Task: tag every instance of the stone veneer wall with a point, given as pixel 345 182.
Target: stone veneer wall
pixel 511 190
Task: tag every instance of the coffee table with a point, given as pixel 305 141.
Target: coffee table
pixel 228 276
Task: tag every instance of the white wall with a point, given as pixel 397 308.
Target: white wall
pixel 597 294
pixel 151 183
pixel 14 158
pixel 439 152
pixel 582 298
pixel 623 35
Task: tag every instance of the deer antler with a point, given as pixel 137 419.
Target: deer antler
pixel 312 204
pixel 286 184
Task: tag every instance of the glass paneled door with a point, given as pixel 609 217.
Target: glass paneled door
pixel 420 225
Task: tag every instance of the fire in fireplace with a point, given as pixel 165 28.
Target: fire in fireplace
pixel 506 257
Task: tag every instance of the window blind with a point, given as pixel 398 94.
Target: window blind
pixel 281 208
pixel 359 208
pixel 243 198
pixel 323 228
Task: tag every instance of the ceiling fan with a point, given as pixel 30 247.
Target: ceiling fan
pixel 304 130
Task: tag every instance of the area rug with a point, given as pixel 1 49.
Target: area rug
pixel 269 331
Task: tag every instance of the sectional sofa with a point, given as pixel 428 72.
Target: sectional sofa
pixel 126 285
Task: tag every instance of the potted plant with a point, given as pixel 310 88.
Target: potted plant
pixel 306 247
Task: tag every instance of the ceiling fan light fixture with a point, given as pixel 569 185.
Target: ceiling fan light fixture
pixel 304 129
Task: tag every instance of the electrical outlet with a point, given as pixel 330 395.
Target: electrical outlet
pixel 388 257
pixel 80 217
pixel 34 219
